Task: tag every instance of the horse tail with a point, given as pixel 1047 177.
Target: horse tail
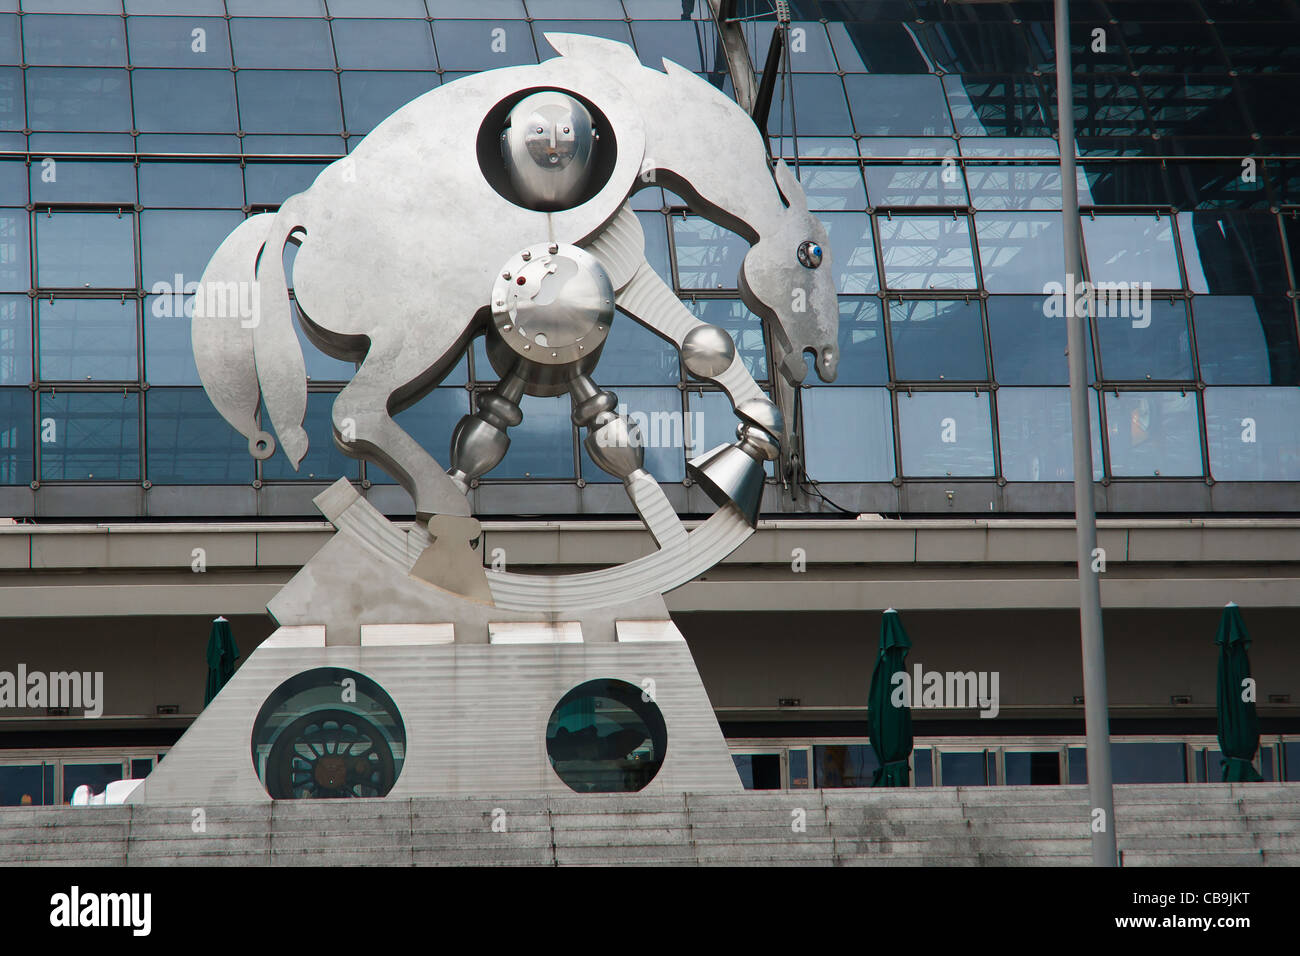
pixel 281 371
pixel 225 311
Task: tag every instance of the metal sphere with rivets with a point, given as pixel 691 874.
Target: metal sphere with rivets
pixel 707 351
pixel 548 148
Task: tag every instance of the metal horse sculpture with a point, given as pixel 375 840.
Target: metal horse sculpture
pixel 403 246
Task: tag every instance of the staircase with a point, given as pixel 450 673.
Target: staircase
pixel 1207 824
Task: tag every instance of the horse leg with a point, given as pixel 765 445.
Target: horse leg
pixel 363 428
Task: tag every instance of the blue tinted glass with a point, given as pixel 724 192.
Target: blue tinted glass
pixel 16 461
pixel 869 456
pixel 483 45
pixel 634 355
pixel 818 104
pixel 1254 433
pixel 184 101
pixel 191 184
pixel 656 242
pixel 97 776
pixel 15 250
pixel 999 106
pixel 1131 249
pixel 853 251
pixel 1246 340
pixel 609 29
pixel 73 41
pixel 682 41
pixel 77 250
pixel 1152 346
pixel 541 447
pixel 712 422
pixel 844 765
pixel 1149 762
pixel 898 105
pixel 923 767
pixel 87 340
pixel 323 461
pixel 267 43
pixel 15 340
pixel 289 101
pixel 95 435
pixel 964 769
pixel 1014 187
pixel 370 98
pixel 11 52
pixel 481 8
pixel 168 352
pixel 180 242
pixel 78 99
pixel 266 144
pixel 384 45
pixel 596 9
pixel 430 421
pixel 1020 251
pixel 176 7
pixel 927 252
pixel 1232 251
pixel 708 256
pixel 809 48
pixel 930 185
pixel 937 340
pixel 1040 768
pixel 407 9
pixel 833 187
pixel 744 327
pixel 945 434
pixel 273 183
pixel 1153 434
pixel 276 8
pixel 173 41
pixel 1028 347
pixel 862 343
pixel 1034 432
pixel 657 412
pixel 189 443
pixel 188 143
pixel 13 115
pixel 73 181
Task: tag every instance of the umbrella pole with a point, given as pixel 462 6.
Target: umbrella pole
pixel 1096 714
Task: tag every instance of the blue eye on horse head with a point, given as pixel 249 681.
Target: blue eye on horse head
pixel 810 254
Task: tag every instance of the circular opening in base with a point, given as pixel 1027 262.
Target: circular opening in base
pixel 604 737
pixel 328 733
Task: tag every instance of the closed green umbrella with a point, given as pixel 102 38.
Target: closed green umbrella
pixel 890 727
pixel 1238 722
pixel 222 654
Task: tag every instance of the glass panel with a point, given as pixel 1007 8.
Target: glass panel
pixel 13 115
pixel 541 447
pixel 1232 251
pixel 483 45
pixel 1156 346
pixel 937 340
pixel 999 106
pixel 862 343
pixel 481 8
pixel 384 45
pixel 1078 761
pixel 615 30
pixel 854 248
pixel 191 184
pixel 759 771
pixel 964 769
pixel 928 185
pixel 1254 433
pixel 186 101
pixel 1153 433
pixel 809 49
pixel 276 8
pixel 189 443
pixel 73 41
pixel 15 250
pixel 869 456
pixel 16 461
pixel 87 339
pixel 682 41
pixel 799 773
pixel 97 776
pixel 656 243
pixel 78 250
pixel 1038 768
pixel 180 242
pixel 945 434
pixel 78 99
pixel 1291 759
pixel 168 351
pixel 93 435
pixel 1034 432
pixel 923 767
pixel 406 9
pixel 289 101
pixel 899 105
pixel 273 183
pixel 927 252
pixel 15 340
pixel 844 765
pixel 1245 340
pixel 1020 251
pixel 1149 762
pixel 13 181
pixel 267 43
pixel 633 355
pixel 176 7
pixel 744 327
pixel 24 785
pixel 1028 347
pixel 818 107
pixel 1014 187
pixel 172 41
pixel 370 98
pixel 72 181
pixel 323 461
pixel 141 767
pixel 430 421
pixel 833 187
pixel 1131 249
pixel 11 46
pixel 708 256
pixel 658 413
pixel 876 47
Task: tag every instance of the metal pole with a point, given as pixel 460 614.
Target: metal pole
pixel 1096 716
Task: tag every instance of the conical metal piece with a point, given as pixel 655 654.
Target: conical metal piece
pixel 729 475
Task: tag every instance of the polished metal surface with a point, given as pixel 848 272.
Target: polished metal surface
pixel 707 351
pixel 548 149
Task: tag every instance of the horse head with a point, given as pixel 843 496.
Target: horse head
pixel 787 279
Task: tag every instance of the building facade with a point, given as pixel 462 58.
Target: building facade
pixel 933 475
